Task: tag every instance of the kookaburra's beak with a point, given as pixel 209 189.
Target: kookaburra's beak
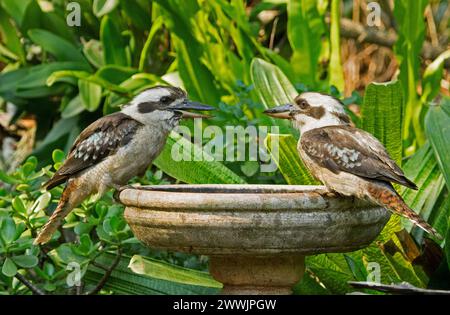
pixel 191 105
pixel 282 111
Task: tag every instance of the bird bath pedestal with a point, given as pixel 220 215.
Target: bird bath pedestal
pixel 256 235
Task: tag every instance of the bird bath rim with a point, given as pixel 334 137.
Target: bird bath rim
pixel 216 219
pixel 256 235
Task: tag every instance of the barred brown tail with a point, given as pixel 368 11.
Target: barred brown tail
pixel 389 199
pixel 65 205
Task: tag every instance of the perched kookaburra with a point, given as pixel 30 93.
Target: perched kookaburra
pixel 347 160
pixel 117 147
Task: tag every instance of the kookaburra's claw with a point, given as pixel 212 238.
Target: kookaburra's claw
pixel 118 189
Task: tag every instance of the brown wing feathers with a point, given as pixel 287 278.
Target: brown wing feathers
pixel 347 149
pixel 100 139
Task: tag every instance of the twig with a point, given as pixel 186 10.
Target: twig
pixel 29 285
pixel 431 26
pixel 350 29
pixel 403 288
pixel 107 274
pixel 100 266
pixel 272 34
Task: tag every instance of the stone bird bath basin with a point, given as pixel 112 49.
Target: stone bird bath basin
pixel 256 235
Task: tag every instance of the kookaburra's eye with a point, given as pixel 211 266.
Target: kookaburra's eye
pixel 165 99
pixel 303 104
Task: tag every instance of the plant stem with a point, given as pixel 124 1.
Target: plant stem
pixel 107 274
pixel 29 285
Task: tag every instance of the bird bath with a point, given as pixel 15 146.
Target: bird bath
pixel 256 235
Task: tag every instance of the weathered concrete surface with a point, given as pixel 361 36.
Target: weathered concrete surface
pixel 244 274
pixel 234 224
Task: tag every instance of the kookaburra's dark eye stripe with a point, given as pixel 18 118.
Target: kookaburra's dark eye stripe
pixel 148 107
pixel 342 117
pixel 316 112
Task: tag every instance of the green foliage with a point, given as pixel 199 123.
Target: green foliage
pixel 382 116
pixel 198 167
pixel 336 73
pixel 408 46
pixel 222 54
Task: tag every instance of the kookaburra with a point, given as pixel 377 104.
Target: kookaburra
pixel 117 147
pixel 347 160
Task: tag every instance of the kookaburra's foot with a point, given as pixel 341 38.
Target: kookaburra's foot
pixel 118 189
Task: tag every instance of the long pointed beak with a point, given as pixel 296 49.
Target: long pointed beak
pixel 187 105
pixel 282 111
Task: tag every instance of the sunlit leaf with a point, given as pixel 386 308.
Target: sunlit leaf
pixel 156 269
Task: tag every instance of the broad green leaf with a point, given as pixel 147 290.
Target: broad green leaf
pixel 180 18
pixel 159 270
pixel 437 126
pixel 309 285
pixel 125 281
pixel 156 26
pixel 140 16
pixel 10 38
pixel 332 275
pixel 9 269
pixel 92 50
pixel 411 32
pixel 440 220
pixel 73 108
pixel 62 128
pixel 288 160
pixel 431 81
pixel 115 74
pixel 304 29
pixel 16 9
pixel 102 7
pixel 273 89
pixel 336 72
pixel 199 167
pixel 90 94
pixel 447 244
pixel 114 47
pixel 357 267
pixel 37 76
pixel 423 169
pixel 404 269
pixel 25 261
pixel 382 115
pixel 60 75
pixel 272 86
pixel 62 49
pixel 31 81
